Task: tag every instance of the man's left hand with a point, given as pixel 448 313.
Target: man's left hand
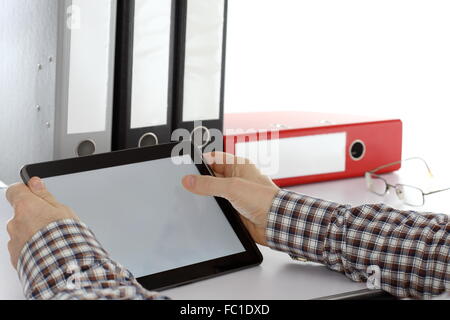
pixel 34 209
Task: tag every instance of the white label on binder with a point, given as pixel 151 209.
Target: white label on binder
pixel 151 56
pixel 297 157
pixel 203 62
pixel 89 74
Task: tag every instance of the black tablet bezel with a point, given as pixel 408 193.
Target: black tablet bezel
pixel 175 277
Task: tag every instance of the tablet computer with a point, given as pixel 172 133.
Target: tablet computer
pixel 135 204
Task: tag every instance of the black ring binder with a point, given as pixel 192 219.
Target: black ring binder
pixel 124 136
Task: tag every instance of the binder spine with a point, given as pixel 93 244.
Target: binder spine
pixel 179 79
pixel 124 136
pixel 78 130
pixel 300 155
pixel 122 84
pixel 178 69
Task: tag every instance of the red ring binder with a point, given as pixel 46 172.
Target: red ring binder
pixel 313 147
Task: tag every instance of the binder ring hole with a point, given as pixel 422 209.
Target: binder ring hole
pixel 201 136
pixel 148 140
pixel 357 150
pixel 86 148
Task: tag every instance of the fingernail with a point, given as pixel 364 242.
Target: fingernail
pixel 37 184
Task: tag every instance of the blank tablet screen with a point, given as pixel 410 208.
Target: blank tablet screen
pixel 145 219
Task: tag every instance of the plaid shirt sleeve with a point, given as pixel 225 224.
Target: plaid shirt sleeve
pixel 65 261
pixel 411 250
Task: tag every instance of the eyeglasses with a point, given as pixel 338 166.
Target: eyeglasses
pixel 410 195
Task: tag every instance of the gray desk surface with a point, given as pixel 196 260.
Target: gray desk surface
pixel 277 278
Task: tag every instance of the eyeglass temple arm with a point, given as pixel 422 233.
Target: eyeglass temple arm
pixel 437 191
pixel 400 161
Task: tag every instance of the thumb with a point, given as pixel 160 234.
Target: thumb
pixel 209 186
pixel 37 186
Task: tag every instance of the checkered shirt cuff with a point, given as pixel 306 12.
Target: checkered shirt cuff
pixel 65 261
pixel 298 225
pixel 411 250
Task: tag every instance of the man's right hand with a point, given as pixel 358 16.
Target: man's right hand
pixel 240 182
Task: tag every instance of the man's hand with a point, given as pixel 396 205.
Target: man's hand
pixel 241 183
pixel 34 208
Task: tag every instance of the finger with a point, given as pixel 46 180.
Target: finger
pixel 210 186
pixel 17 192
pixel 10 227
pixel 225 164
pixel 38 188
pixel 216 161
pixel 222 158
pixel 228 166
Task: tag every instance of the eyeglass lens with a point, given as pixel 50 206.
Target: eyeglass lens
pixel 409 195
pixel 376 184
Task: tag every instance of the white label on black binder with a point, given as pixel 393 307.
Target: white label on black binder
pixel 151 56
pixel 203 62
pixel 297 157
pixel 89 75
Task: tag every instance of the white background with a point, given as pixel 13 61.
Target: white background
pixel 384 57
